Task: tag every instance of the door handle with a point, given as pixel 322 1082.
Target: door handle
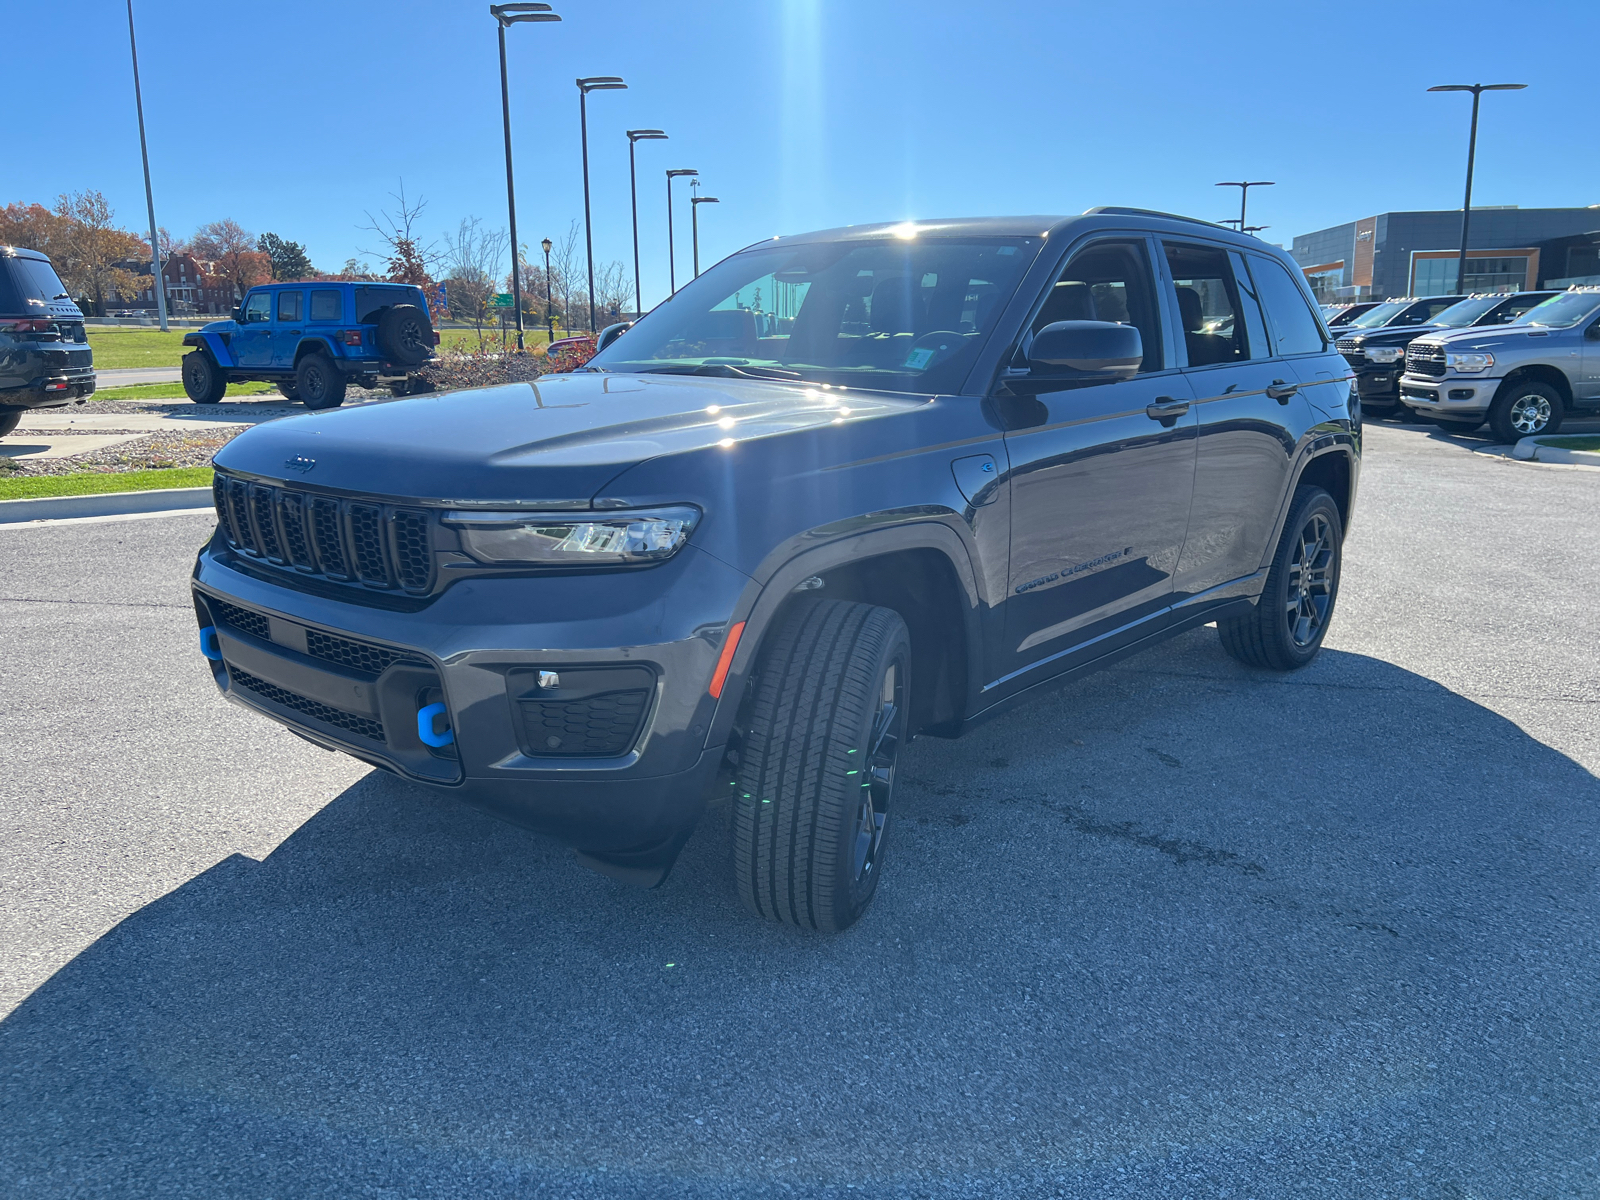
pixel 294 333
pixel 1166 410
pixel 1281 391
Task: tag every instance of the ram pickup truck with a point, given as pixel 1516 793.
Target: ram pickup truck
pixel 736 557
pixel 313 340
pixel 1522 378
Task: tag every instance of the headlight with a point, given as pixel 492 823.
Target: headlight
pixel 575 539
pixel 1467 361
pixel 1384 354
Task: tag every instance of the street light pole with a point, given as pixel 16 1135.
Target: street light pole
pixel 504 15
pixel 672 257
pixel 1244 186
pixel 635 136
pixel 549 311
pixel 149 196
pixel 595 83
pixel 694 217
pixel 1477 90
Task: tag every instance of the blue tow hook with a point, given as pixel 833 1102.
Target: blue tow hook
pixel 208 643
pixel 425 731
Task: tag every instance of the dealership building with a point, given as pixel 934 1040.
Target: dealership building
pixel 1414 253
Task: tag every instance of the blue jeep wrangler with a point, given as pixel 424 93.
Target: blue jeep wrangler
pixel 313 340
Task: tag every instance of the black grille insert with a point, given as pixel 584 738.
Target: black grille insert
pixel 361 726
pixel 242 619
pixel 413 553
pixel 600 726
pixel 361 656
pixel 366 536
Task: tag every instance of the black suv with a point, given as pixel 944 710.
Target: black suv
pixel 45 360
pixel 842 489
pixel 1395 314
pixel 1378 356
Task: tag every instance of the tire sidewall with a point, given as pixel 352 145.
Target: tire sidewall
pixel 200 378
pixel 10 418
pixel 1500 414
pixel 1309 502
pixel 390 330
pixel 312 368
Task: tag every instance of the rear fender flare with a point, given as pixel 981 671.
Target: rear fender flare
pixel 1341 442
pixel 760 603
pixel 315 345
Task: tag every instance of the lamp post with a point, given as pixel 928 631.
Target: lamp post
pixel 672 258
pixel 1477 90
pixel 505 15
pixel 595 83
pixel 149 197
pixel 694 217
pixel 1244 186
pixel 635 136
pixel 549 311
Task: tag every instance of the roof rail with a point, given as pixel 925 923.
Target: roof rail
pixel 1112 210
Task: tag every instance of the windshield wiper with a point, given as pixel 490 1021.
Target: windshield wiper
pixel 724 369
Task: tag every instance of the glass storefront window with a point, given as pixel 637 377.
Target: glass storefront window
pixel 1437 276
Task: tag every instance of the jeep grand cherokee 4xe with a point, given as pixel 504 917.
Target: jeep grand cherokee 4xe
pixel 842 489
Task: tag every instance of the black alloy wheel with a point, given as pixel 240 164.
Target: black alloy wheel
pixel 319 383
pixel 1286 628
pixel 203 381
pixel 882 751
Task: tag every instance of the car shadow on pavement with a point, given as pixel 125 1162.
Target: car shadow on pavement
pixel 1325 934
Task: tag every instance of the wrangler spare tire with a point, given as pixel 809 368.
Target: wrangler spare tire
pixel 406 335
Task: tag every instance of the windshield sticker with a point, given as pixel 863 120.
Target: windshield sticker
pixel 918 359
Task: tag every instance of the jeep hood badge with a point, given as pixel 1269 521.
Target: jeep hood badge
pixel 300 463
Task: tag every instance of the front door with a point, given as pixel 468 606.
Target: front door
pixel 1250 412
pixel 1587 387
pixel 287 329
pixel 251 343
pixel 1101 478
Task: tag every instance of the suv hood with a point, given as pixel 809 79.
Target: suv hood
pixel 1384 336
pixel 555 441
pixel 1489 338
pixel 226 325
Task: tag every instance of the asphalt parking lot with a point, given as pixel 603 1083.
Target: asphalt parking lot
pixel 1181 930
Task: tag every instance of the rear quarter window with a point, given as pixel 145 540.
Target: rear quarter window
pixel 1295 329
pixel 327 305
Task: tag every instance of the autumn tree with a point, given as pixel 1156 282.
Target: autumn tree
pixel 288 259
pixel 89 251
pixel 31 226
pixel 407 259
pixel 232 253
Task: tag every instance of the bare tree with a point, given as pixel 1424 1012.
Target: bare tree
pixel 613 287
pixel 406 258
pixel 566 276
pixel 472 259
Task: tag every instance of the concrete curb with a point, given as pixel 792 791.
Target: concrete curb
pixel 106 504
pixel 1536 449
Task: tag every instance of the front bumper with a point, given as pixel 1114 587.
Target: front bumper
pixel 1448 396
pixel 479 648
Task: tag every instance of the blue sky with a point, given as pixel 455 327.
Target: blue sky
pixel 298 116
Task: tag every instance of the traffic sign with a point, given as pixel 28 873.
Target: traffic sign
pixel 501 300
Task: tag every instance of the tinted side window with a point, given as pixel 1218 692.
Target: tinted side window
pixel 1208 304
pixel 1515 307
pixel 1295 330
pixel 258 307
pixel 289 305
pixel 327 305
pixel 1108 281
pixel 1250 308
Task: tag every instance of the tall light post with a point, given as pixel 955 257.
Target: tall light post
pixel 505 15
pixel 635 136
pixel 595 83
pixel 549 310
pixel 1244 186
pixel 149 196
pixel 694 217
pixel 1477 90
pixel 672 257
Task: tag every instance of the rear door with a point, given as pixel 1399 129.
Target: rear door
pixel 251 343
pixel 1251 415
pixel 1100 485
pixel 288 329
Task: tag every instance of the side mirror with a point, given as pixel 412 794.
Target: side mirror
pixel 1068 352
pixel 610 334
pixel 238 314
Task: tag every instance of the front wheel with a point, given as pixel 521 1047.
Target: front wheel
pixel 1291 618
pixel 814 793
pixel 1525 410
pixel 319 382
pixel 203 381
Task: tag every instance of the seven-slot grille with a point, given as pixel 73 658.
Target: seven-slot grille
pixel 352 541
pixel 1422 359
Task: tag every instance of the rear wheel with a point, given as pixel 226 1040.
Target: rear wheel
pixel 319 383
pixel 203 381
pixel 1290 620
pixel 288 390
pixel 1525 410
pixel 813 797
pixel 9 420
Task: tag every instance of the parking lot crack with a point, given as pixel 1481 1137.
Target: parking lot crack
pixel 1179 850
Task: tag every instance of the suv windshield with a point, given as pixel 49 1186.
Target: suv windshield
pixel 28 285
pixel 1459 316
pixel 899 315
pixel 1374 317
pixel 1561 312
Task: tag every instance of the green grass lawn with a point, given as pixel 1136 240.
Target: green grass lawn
pixel 117 348
pixel 90 483
pixel 174 391
pixel 1572 443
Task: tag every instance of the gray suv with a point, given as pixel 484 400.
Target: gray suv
pixel 1522 378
